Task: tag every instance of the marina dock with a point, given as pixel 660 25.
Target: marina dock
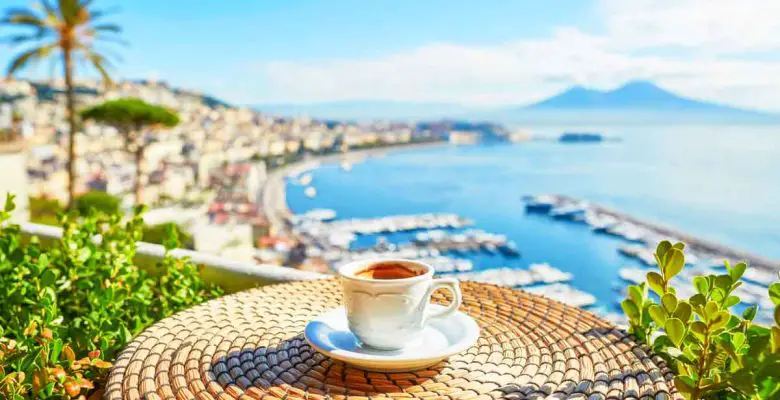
pixel 634 229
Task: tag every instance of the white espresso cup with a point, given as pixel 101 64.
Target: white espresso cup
pixel 388 314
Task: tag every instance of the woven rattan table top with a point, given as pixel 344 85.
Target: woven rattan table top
pixel 250 345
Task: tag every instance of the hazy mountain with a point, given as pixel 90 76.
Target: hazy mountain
pixel 636 95
pixel 636 102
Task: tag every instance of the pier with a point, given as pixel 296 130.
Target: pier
pixel 635 229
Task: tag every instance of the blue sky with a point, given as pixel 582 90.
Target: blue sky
pixel 471 52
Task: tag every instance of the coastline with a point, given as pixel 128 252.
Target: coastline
pixel 275 205
pixel 273 193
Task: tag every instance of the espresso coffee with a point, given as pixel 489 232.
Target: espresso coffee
pixel 388 270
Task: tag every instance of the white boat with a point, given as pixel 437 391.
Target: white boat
pixel 305 179
pixel 572 211
pixel 321 214
pixel 599 221
pixel 565 294
pixel 643 254
pixel 541 203
pixel 628 231
pixel 544 272
pixel 310 192
pixel 633 275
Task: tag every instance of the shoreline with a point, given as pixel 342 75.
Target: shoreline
pixel 274 192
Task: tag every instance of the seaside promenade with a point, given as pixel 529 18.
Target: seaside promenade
pixel 273 193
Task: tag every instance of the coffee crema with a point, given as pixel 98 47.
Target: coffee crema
pixel 388 270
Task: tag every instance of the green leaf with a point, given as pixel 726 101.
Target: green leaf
pixel 683 311
pixel 774 293
pixel 661 249
pixel 743 381
pixel 723 282
pixel 669 301
pixel 630 309
pixel 750 312
pixel 697 300
pixel 675 330
pixel 737 271
pixel 9 202
pixel 679 246
pixel 731 301
pixel 700 284
pixel 48 278
pixel 656 282
pixel 636 295
pixel 717 295
pixel 699 329
pixel 734 321
pixel 738 339
pixel 685 385
pixel 658 314
pixel 710 309
pixel 719 320
pixel 675 261
pixel 56 348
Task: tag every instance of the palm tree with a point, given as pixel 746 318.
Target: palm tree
pixel 68 29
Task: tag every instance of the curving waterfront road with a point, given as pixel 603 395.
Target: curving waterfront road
pixel 273 191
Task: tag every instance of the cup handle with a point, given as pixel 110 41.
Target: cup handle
pixel 451 284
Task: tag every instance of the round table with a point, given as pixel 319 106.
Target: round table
pixel 250 345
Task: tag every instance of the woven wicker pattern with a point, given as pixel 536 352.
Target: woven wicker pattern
pixel 250 346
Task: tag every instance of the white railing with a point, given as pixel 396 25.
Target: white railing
pixel 231 274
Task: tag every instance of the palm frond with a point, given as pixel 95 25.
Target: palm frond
pixel 107 28
pixel 100 63
pixel 98 14
pixel 109 54
pixel 50 8
pixel 22 17
pixel 52 13
pixel 14 40
pixel 29 57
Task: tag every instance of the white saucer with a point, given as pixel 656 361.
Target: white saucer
pixel 441 338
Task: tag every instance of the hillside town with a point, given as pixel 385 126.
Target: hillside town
pixel 207 174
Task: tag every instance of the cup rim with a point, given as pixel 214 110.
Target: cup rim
pixel 344 271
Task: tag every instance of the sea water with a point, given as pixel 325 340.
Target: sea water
pixel 721 183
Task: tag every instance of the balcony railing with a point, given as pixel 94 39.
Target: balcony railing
pixel 231 275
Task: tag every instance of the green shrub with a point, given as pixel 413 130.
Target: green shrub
pixel 716 353
pixel 45 211
pixel 160 233
pixel 68 309
pixel 101 202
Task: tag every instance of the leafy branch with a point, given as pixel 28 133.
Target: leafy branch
pixel 714 351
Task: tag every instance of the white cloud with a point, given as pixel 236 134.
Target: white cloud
pixel 696 47
pixel 708 26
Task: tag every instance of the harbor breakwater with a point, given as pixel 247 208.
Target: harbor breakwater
pixel 695 243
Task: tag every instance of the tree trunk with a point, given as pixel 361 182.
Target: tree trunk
pixel 139 158
pixel 71 112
